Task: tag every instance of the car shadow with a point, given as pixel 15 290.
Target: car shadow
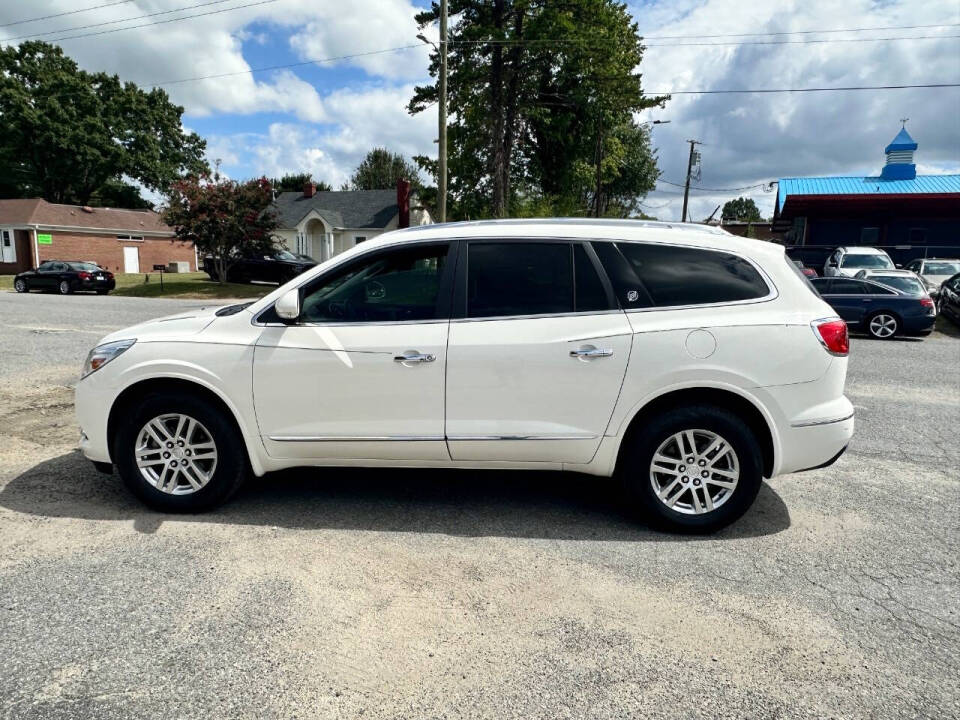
pixel 467 503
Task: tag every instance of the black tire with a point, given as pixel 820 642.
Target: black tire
pixel 20 285
pixel 102 292
pixel 228 475
pixel 64 287
pixel 634 468
pixel 876 332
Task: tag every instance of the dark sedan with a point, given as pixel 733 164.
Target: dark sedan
pixel 279 267
pixel 65 277
pixel 950 298
pixel 877 309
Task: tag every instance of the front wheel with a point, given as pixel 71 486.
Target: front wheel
pixel 693 469
pixel 883 326
pixel 64 287
pixel 20 285
pixel 180 454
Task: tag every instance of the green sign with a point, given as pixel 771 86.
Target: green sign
pixel 44 239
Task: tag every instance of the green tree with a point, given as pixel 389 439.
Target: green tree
pixel 542 97
pixel 223 218
pixel 69 133
pixel 742 208
pixel 381 169
pixel 294 182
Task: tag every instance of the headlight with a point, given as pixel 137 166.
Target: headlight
pixel 102 354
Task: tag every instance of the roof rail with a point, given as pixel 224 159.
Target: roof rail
pixel 614 222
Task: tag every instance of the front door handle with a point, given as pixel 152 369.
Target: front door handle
pixel 589 351
pixel 411 357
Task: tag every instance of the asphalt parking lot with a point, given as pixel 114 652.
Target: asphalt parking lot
pixel 394 594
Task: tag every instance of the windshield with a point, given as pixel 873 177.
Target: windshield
pixel 284 255
pixel 902 283
pixel 86 267
pixel 866 261
pixel 941 268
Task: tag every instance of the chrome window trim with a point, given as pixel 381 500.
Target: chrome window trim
pixel 773 293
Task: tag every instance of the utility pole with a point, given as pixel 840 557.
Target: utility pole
pixel 686 186
pixel 442 138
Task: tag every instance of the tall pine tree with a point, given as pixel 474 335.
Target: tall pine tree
pixel 542 96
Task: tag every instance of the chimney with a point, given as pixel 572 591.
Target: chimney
pixel 403 203
pixel 309 189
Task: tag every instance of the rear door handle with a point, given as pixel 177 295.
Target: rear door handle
pixel 411 357
pixel 589 351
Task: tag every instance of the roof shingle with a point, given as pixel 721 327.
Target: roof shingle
pixel 36 211
pixel 342 209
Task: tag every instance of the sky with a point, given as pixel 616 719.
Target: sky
pixel 321 116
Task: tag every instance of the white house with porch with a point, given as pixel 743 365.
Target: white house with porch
pixel 323 224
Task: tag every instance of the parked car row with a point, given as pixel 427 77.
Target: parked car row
pixel 65 277
pixel 874 296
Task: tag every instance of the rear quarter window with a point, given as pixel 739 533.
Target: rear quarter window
pixel 674 275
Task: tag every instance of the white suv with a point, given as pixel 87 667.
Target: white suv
pixel 848 261
pixel 685 361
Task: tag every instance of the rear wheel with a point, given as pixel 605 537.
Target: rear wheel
pixel 693 469
pixel 102 292
pixel 64 287
pixel 20 285
pixel 883 325
pixel 180 454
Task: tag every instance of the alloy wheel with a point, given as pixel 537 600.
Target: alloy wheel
pixel 176 454
pixel 64 287
pixel 20 286
pixel 694 472
pixel 883 326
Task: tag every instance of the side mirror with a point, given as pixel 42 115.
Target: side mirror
pixel 899 266
pixel 288 306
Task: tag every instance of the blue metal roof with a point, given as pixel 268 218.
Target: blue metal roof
pixel 902 141
pixel 866 186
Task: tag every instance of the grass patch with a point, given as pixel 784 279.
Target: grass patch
pixel 175 285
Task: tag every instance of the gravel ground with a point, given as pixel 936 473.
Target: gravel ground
pixel 475 594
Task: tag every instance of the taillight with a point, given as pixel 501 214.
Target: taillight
pixel 927 302
pixel 85 275
pixel 109 276
pixel 832 334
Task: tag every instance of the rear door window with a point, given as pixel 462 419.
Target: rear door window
pixel 843 286
pixel 519 278
pixel 676 276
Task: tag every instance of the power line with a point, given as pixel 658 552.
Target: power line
pixel 804 32
pixel 163 22
pixel 804 90
pixel 115 22
pixel 287 66
pixel 587 43
pixel 69 12
pixel 696 187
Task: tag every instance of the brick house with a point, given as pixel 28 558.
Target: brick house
pixel 33 230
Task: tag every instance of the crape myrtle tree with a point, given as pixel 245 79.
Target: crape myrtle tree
pixel 72 136
pixel 542 98
pixel 223 218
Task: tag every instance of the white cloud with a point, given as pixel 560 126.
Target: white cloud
pixel 357 120
pixel 757 138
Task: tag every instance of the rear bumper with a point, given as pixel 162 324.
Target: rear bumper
pixel 94 285
pixel 919 325
pixel 815 445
